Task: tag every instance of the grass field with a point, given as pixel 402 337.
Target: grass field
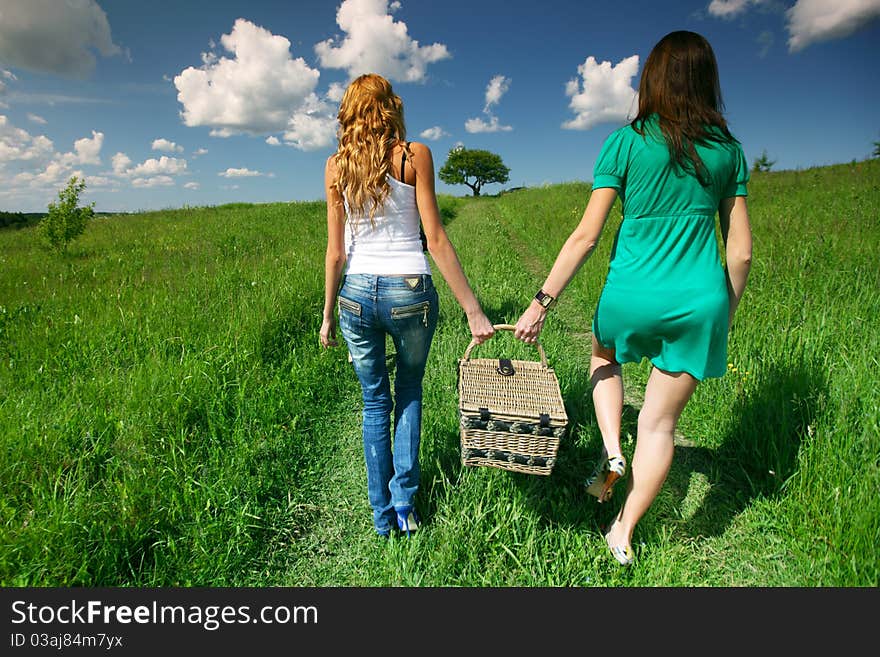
pixel 167 417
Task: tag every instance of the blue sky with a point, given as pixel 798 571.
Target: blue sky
pixel 168 103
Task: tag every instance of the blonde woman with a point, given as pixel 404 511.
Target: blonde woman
pixel 380 190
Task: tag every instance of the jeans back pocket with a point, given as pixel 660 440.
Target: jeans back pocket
pixel 412 310
pixel 351 306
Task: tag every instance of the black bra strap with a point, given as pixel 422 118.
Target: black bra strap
pixel 403 164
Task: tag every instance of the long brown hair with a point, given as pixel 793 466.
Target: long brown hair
pixel 680 84
pixel 370 125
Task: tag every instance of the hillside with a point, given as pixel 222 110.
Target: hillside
pixel 168 418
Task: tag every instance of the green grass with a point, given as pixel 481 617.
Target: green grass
pixel 168 418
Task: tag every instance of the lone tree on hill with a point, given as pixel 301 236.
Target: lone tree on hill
pixel 763 163
pixel 473 168
pixel 65 221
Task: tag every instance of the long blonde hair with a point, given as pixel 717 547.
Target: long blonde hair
pixel 370 124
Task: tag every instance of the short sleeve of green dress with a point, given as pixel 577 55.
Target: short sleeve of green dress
pixel 665 294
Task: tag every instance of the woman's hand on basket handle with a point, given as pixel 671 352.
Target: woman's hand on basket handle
pixel 441 248
pixel 529 326
pixel 574 253
pixel 481 327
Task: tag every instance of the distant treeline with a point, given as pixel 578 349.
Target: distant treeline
pixel 23 219
pixel 20 219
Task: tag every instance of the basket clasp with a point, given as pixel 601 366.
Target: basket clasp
pixel 505 367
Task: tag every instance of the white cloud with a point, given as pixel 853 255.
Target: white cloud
pixel 49 36
pixel 479 125
pixel 41 170
pixel 811 21
pixel 121 162
pixel 765 41
pixel 142 174
pixel 496 88
pixel 88 150
pixel 51 176
pixel 55 99
pixel 152 167
pixel 603 93
pixel 39 166
pixel 167 146
pixel 375 43
pixel 99 181
pixel 239 173
pixel 256 92
pixel 34 118
pixel 153 181
pixel 336 92
pixel 311 128
pixel 85 151
pixel 434 133
pixel 730 8
pixel 191 185
pixel 9 75
pixel 199 151
pixel 17 145
pixel 272 140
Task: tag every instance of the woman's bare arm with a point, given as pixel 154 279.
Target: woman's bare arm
pixel 736 232
pixel 334 259
pixel 574 253
pixel 441 248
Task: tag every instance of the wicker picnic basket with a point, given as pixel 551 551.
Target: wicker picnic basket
pixel 510 411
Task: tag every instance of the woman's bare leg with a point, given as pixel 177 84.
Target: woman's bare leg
pixel 607 385
pixel 666 395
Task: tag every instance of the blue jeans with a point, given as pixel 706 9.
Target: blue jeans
pixel 406 308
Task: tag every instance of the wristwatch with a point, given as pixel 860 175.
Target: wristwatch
pixel 545 299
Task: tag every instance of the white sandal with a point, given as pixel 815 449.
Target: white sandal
pixel 622 553
pixel 607 473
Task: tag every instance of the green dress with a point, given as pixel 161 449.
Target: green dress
pixel 665 295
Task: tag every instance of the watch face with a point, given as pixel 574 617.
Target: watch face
pixel 544 299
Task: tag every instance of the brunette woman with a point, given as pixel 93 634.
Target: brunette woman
pixel 667 296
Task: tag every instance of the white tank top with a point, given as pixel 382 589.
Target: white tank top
pixel 391 244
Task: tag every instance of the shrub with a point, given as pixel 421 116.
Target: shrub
pixel 763 163
pixel 65 221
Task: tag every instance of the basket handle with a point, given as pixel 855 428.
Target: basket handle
pixel 507 327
